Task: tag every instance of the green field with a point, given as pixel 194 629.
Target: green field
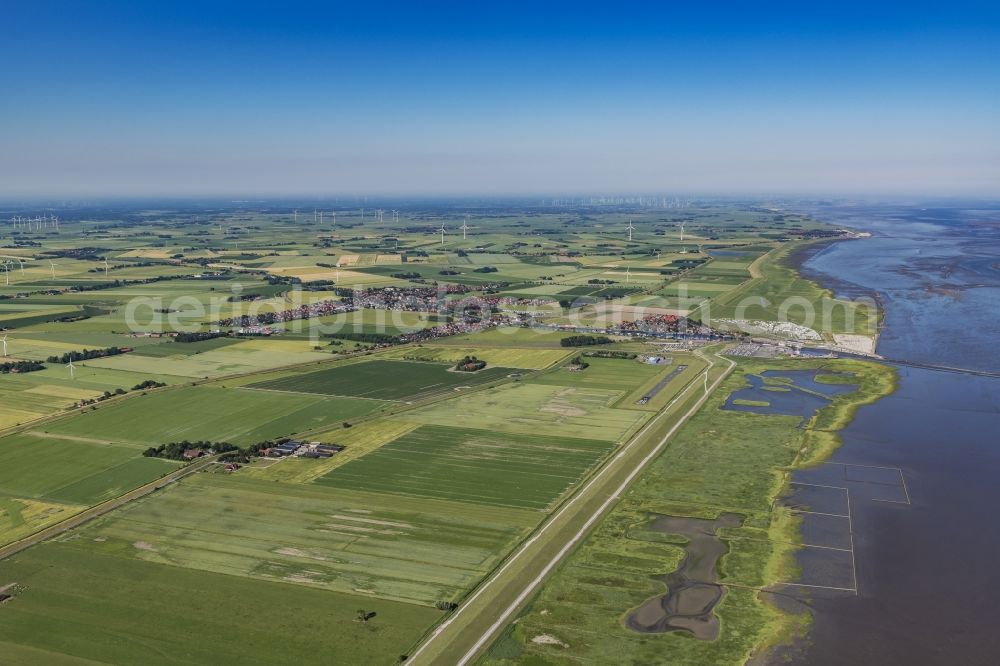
pixel 500 469
pixel 211 412
pixel 71 471
pixel 507 357
pixel 81 605
pixel 348 540
pixel 536 409
pixel 383 380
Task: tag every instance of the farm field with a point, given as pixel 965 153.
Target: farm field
pixel 216 361
pixel 499 469
pixel 507 357
pixel 346 540
pixel 538 409
pixel 211 412
pixel 382 380
pixel 75 471
pixel 101 607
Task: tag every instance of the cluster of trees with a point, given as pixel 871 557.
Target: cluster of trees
pixel 20 366
pixel 585 340
pixel 86 354
pixel 148 384
pixel 101 398
pixel 244 297
pixel 449 271
pixel 470 364
pixel 372 338
pixel 199 336
pixel 607 353
pixel 486 269
pixel 600 281
pixel 580 363
pixel 406 276
pixel 175 450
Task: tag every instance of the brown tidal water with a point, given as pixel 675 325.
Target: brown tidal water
pixel 920 468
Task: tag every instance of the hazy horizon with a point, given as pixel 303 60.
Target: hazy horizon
pixel 240 99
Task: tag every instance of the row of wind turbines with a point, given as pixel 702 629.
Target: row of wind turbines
pixel 36 223
pixel 378 215
pixel 7 263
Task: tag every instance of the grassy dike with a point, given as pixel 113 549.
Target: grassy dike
pixel 720 461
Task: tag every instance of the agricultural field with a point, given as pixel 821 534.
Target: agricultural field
pixel 344 540
pixel 102 607
pixel 507 357
pixel 498 469
pixel 539 409
pixel 382 380
pixel 211 412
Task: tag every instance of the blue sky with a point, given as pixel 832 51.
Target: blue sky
pixel 137 98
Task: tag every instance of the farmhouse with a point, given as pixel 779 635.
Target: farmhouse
pixel 191 454
pixel 283 449
pixel 318 450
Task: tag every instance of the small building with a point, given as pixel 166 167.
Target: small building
pixel 191 454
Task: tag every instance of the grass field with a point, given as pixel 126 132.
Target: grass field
pixel 420 551
pixel 20 517
pixel 72 471
pixel 507 357
pixel 80 606
pixel 211 412
pixel 499 469
pixel 537 409
pixel 383 380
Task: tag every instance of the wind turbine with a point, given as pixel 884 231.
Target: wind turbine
pixel 465 227
pixel 6 266
pixel 105 267
pixel 630 229
pixel 295 215
pixel 627 273
pixel 4 341
pixel 682 232
pixel 72 369
pixel 52 266
pixel 441 230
